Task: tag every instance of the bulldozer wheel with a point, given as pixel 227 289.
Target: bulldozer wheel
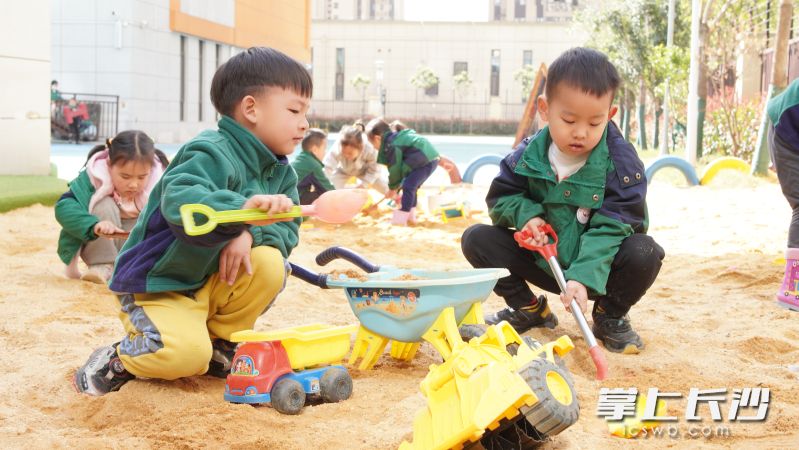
pixel 557 407
pixel 335 385
pixel 532 343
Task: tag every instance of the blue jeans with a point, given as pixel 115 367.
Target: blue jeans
pixel 413 182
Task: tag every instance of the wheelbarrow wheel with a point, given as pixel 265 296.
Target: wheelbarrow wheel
pixel 557 407
pixel 288 396
pixel 335 385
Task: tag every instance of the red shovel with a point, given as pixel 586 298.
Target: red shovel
pixel 550 253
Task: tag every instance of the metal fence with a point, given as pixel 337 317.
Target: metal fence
pixel 103 116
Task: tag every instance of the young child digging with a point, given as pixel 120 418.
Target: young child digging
pixel 410 158
pixel 106 198
pixel 580 176
pixel 182 296
pixel 352 155
pixel 311 179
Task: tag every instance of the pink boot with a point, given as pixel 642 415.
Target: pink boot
pixel 788 296
pixel 412 217
pixel 400 217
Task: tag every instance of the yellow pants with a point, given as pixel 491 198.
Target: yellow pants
pixel 169 334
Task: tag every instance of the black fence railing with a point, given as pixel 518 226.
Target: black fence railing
pixel 102 111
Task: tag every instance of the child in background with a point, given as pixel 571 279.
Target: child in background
pixel 352 155
pixel 183 296
pixel 311 179
pixel 580 176
pixel 410 158
pixel 783 143
pixel 106 198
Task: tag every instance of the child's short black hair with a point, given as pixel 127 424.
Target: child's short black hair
pixel 313 137
pixel 583 68
pixel 252 70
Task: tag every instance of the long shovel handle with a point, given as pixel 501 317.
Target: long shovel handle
pixel 214 218
pixel 550 252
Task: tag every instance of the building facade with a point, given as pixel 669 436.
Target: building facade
pixel 389 54
pixel 159 56
pixel 24 77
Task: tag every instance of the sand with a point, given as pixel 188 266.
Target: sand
pixel 710 321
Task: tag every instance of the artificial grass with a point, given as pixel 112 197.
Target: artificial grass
pixel 17 191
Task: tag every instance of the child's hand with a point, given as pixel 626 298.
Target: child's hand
pixel 106 228
pixel 235 253
pixel 272 204
pixel 392 195
pixel 575 290
pixel 531 227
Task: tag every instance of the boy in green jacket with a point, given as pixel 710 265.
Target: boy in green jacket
pixel 311 179
pixel 182 296
pixel 580 176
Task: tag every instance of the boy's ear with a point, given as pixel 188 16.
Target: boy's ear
pixel 247 109
pixel 613 110
pixel 543 108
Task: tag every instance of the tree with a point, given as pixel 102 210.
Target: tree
pixel 526 77
pixel 426 79
pixel 462 82
pixel 361 82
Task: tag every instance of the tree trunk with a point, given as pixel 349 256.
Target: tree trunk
pixel 779 80
pixel 701 89
pixel 642 141
pixel 658 114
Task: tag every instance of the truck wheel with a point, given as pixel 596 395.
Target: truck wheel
pixel 335 385
pixel 288 396
pixel 470 331
pixel 557 407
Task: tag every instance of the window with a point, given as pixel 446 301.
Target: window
pixel 372 9
pixel 200 82
pixel 460 66
pixel 495 73
pixel 497 9
pixel 527 58
pixel 432 91
pixel 520 10
pixel 182 78
pixel 339 74
pixel 218 56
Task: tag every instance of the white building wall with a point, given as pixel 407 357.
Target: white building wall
pixel 404 46
pixel 24 95
pixel 125 48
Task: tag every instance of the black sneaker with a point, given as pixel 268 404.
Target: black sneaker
pixel 102 373
pixel 522 319
pixel 221 358
pixel 617 334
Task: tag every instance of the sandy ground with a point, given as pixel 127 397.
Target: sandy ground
pixel 710 321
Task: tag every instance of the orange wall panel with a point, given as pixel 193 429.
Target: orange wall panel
pixel 282 24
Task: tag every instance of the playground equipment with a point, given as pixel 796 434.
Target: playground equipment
pixel 337 206
pixel 550 253
pixel 282 367
pixel 495 387
pixel 479 162
pixel 710 172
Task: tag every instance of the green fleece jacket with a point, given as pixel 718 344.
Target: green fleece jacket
pixel 592 211
pixel 72 213
pixel 311 179
pixel 219 168
pixel 403 152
